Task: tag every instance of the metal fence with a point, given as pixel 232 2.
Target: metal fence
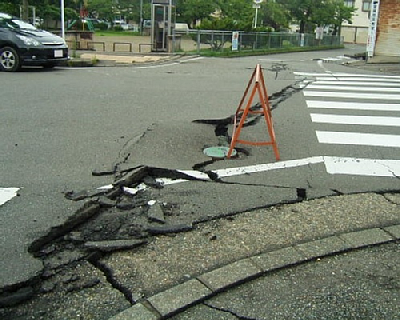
pixel 220 41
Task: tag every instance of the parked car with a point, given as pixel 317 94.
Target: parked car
pixel 23 44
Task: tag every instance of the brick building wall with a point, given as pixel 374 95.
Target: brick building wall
pixel 388 30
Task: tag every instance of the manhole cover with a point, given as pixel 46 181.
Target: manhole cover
pixel 218 152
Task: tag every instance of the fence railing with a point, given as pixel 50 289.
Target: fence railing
pixel 219 41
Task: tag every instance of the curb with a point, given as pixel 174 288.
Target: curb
pixel 182 296
pixel 111 60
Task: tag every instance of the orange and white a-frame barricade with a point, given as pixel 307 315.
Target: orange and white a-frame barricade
pixel 256 85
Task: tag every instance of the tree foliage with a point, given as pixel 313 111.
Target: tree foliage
pixel 274 15
pixel 189 11
pixel 221 14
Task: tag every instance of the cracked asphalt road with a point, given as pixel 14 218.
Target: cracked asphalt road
pixel 357 285
pixel 75 247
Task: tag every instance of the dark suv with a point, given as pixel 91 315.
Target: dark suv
pixel 22 44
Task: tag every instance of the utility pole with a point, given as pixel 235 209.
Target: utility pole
pixel 141 18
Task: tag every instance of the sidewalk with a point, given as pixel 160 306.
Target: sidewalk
pixel 225 254
pixel 112 59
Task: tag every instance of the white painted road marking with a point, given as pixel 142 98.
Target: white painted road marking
pixel 345 75
pixel 352 88
pixel 361 120
pixel 319 104
pixel 352 95
pixel 357 83
pixel 356 138
pixel 362 167
pixel 7 194
pixel 333 165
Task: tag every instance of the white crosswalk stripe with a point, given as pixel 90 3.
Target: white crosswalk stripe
pixel 355 103
pixel 7 194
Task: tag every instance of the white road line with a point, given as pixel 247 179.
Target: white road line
pixel 352 88
pixel 7 194
pixel 359 83
pixel 334 165
pixel 356 138
pixel 362 167
pixel 329 76
pixel 319 104
pixel 352 95
pixel 361 120
pixel 229 172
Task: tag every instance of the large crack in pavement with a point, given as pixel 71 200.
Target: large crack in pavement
pixel 228 311
pixel 126 216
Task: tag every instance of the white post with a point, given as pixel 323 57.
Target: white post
pixel 62 19
pixel 141 18
pixel 255 18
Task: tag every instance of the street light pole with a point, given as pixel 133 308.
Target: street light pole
pixel 62 19
pixel 255 18
pixel 141 17
pixel 256 5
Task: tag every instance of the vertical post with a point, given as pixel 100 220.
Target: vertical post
pixel 33 15
pixel 62 19
pixel 255 18
pixel 198 40
pixel 153 28
pixel 141 18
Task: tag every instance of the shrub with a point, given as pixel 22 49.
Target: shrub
pixel 118 28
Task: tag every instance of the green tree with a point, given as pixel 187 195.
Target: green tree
pixel 10 8
pixel 104 9
pixel 301 11
pixel 309 13
pixel 274 15
pixel 240 11
pixel 336 13
pixel 189 11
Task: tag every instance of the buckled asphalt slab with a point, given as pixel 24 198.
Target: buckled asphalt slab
pixel 205 285
pixel 218 256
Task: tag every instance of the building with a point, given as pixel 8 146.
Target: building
pixel 357 31
pixel 384 39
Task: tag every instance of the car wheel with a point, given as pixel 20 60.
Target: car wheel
pixel 9 59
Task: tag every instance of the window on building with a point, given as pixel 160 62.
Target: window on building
pixel 366 5
pixel 349 3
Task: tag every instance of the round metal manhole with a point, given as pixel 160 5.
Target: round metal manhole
pixel 218 152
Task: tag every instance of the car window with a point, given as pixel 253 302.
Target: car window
pixel 15 24
pixel 22 24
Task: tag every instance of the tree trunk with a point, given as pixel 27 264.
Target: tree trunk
pixel 25 10
pixel 302 26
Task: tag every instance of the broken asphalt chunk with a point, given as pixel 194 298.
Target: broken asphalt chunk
pixel 165 229
pixel 76 196
pixel 133 178
pixel 103 171
pixel 11 299
pixel 105 202
pixel 156 213
pixel 88 211
pixel 152 182
pixel 113 245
